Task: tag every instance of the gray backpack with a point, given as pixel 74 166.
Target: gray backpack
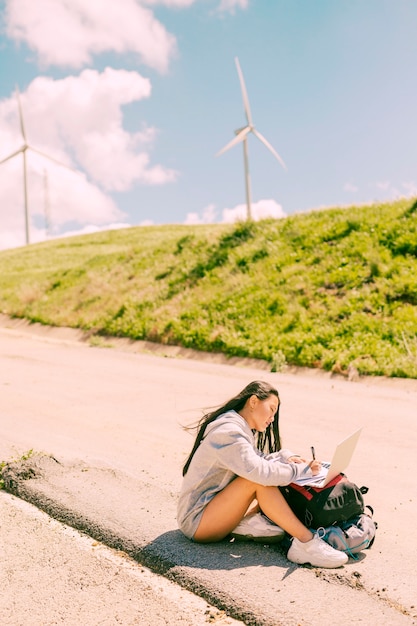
pixel 353 535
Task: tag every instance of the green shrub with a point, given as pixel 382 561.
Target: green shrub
pixel 328 289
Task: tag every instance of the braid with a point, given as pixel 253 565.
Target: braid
pixel 268 441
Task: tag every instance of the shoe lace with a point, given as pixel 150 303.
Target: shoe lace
pixel 322 532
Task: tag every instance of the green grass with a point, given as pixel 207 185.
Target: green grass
pixel 327 289
pixel 3 464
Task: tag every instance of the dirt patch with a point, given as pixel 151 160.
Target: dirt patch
pixel 15 472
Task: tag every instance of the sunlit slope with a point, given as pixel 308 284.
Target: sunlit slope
pixel 325 289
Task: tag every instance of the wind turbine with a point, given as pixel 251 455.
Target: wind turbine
pixel 242 136
pixel 23 149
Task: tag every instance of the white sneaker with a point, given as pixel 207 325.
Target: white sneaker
pixel 258 528
pixel 316 552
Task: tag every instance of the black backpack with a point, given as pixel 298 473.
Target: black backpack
pixel 338 501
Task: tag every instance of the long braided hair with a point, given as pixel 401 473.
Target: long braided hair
pixel 267 441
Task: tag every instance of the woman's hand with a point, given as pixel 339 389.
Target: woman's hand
pixel 315 467
pixel 296 459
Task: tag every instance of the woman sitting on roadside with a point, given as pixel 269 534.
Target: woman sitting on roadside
pixel 231 469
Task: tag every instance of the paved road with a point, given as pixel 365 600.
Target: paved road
pixel 112 419
pixel 52 574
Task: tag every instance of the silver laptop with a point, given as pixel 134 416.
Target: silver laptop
pixel 340 461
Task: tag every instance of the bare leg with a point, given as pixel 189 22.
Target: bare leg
pixel 224 512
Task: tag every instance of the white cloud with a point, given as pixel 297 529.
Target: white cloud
pixel 93 228
pixel 208 216
pixel 78 121
pixel 87 112
pixel 70 34
pixel 82 116
pixel 11 239
pixel 387 191
pixel 56 197
pixel 193 218
pixel 260 210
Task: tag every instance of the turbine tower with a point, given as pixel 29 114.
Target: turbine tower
pixel 242 136
pixel 23 149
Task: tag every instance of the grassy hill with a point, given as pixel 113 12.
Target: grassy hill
pixel 328 289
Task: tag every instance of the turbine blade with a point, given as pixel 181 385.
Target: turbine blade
pixel 244 93
pixel 46 156
pixel 268 145
pixel 239 137
pixel 12 155
pixel 19 104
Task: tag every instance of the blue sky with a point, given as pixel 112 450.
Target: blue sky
pixel 139 96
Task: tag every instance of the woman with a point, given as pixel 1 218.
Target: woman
pixel 230 469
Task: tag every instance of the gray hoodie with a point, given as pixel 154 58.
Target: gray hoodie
pixel 228 450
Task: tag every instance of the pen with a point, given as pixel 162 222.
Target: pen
pixel 307 467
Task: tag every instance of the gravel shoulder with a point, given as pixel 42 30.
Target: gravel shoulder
pixel 54 574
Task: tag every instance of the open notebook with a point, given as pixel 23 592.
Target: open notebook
pixel 341 459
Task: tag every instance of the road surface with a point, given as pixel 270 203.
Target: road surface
pixel 112 419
